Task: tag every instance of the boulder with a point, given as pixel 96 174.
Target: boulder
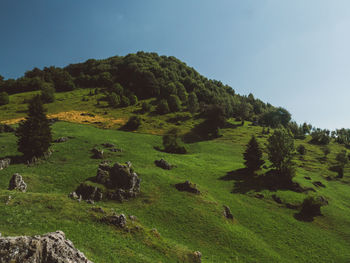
pixel 97 154
pixel 197 256
pixel 73 195
pixel 49 248
pixel 4 163
pixel 188 187
pixel 89 192
pixel 17 183
pixel 116 220
pixel 163 164
pixel 61 139
pixel 227 212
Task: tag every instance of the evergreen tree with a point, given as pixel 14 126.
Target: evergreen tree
pixel 34 134
pixel 253 155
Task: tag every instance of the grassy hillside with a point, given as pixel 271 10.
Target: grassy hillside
pixel 262 231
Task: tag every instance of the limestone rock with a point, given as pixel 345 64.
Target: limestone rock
pixel 163 164
pixel 49 248
pixel 197 256
pixel 108 145
pixel 4 163
pixel 97 154
pixel 116 220
pixel 61 139
pixel 17 183
pixel 188 187
pixel 89 192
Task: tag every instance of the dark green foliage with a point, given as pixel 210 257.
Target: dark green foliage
pixel 124 101
pixel 34 134
pixel 146 107
pixel 301 149
pixel 118 89
pixel 192 103
pixel 163 107
pixel 275 117
pixel 113 100
pixel 311 207
pixel 298 131
pixel 320 136
pixel 280 150
pixel 133 123
pixel 172 142
pixel 214 120
pixel 342 158
pixel 244 110
pixel 48 94
pixel 253 155
pixel 174 103
pixel 133 99
pixel 4 98
pixel 326 150
pixel 342 136
pixel 62 80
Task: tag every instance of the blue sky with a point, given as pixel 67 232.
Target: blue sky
pixel 292 53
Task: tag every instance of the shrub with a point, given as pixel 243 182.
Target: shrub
pixel 301 149
pixel 174 103
pixel 113 100
pixel 146 107
pixel 4 98
pixel 172 142
pixel 311 207
pixel 163 107
pixel 133 123
pixel 133 99
pixel 48 94
pixel 124 101
pixel 253 155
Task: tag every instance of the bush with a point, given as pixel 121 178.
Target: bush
pixel 4 98
pixel 133 123
pixel 301 149
pixel 124 101
pixel 311 207
pixel 146 107
pixel 133 99
pixel 163 107
pixel 253 155
pixel 113 100
pixel 172 142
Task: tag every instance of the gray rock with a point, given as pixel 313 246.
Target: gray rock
pixel 227 212
pixel 89 192
pixel 73 195
pixel 91 202
pixel 4 163
pixel 116 220
pixel 197 256
pixel 49 248
pixel 188 187
pixel 17 183
pixel 61 139
pixel 97 154
pixel 163 164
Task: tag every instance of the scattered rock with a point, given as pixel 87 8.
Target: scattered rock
pixel 307 177
pixel 116 220
pixel 163 164
pixel 132 218
pixel 259 196
pixel 188 187
pixel 4 163
pixel 91 202
pixel 323 200
pixel 318 184
pixel 197 256
pixel 115 150
pixel 227 212
pixel 155 232
pixel 49 248
pixel 17 183
pixel 8 200
pixel 108 145
pixel 61 139
pixel 277 199
pixel 73 195
pixel 89 192
pixel 292 206
pixel 97 154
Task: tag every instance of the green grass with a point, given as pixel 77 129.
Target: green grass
pixel 263 231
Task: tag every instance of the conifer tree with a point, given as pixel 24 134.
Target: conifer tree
pixel 34 134
pixel 253 155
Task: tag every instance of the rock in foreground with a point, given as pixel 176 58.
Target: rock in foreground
pixel 49 248
pixel 188 187
pixel 4 163
pixel 163 164
pixel 17 183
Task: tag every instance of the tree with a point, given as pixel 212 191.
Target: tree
pixel 4 98
pixel 214 120
pixel 192 102
pixel 163 107
pixel 244 110
pixel 253 155
pixel 172 142
pixel 113 100
pixel 34 134
pixel 280 150
pixel 174 103
pixel 48 94
pixel 146 107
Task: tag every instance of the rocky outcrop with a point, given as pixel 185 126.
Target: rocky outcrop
pixel 163 164
pixel 227 212
pixel 116 220
pixel 188 187
pixel 17 183
pixel 4 163
pixel 89 192
pixel 97 154
pixel 49 248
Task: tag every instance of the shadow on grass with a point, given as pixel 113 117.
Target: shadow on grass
pixel 15 159
pixel 304 218
pixel 246 181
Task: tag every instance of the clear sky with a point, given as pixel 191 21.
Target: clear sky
pixel 291 53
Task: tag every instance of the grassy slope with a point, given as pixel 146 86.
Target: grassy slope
pixel 263 231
